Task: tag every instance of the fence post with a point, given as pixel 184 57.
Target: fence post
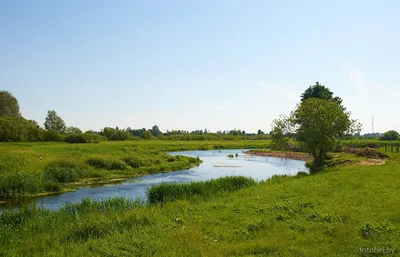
pixel 397 148
pixel 385 148
pixel 391 147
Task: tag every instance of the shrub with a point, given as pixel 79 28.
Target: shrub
pixel 390 135
pixel 19 184
pixel 52 135
pixel 84 138
pixel 62 171
pixel 18 129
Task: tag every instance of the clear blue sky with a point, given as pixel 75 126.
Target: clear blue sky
pixel 198 64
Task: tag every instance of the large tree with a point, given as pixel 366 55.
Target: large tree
pixel 8 105
pixel 320 124
pixel 54 122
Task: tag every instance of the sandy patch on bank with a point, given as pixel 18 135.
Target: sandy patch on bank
pixel 288 155
pixel 371 162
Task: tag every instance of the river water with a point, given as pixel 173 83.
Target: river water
pixel 216 164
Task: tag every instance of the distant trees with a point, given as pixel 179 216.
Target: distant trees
pixel 54 122
pixel 73 130
pixel 390 135
pixel 155 131
pixel 146 135
pixel 18 129
pixel 260 132
pixel 115 134
pixel 13 127
pixel 8 105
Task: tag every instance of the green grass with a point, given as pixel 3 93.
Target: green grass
pixel 67 166
pixel 332 213
pixel 169 192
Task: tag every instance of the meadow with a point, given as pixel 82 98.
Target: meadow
pixel 336 212
pixel 69 166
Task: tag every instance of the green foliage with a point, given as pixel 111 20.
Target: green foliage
pixel 84 138
pixel 23 174
pixel 321 92
pixel 165 192
pixel 73 130
pixel 115 134
pixel 8 105
pixel 16 185
pixel 63 171
pixel 18 129
pixel 52 135
pixel 108 164
pixel 54 122
pixel 146 135
pixel 155 131
pixel 320 126
pixel 390 135
pixel 339 209
pixel 280 133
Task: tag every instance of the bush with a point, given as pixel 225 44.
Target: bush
pixel 84 138
pixel 18 129
pixel 52 135
pixel 164 192
pixel 62 171
pixel 390 135
pixel 20 184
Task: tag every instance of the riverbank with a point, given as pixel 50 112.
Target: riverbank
pixel 331 213
pixel 65 167
pixel 281 154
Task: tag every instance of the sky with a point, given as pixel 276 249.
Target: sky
pixel 190 65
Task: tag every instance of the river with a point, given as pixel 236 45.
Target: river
pixel 216 164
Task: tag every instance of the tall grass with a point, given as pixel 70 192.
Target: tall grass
pixel 333 213
pixel 167 192
pixel 22 173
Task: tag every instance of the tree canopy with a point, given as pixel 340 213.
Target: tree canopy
pixel 8 105
pixel 54 122
pixel 73 130
pixel 390 135
pixel 320 125
pixel 321 92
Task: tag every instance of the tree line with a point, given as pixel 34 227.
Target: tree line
pixel 15 128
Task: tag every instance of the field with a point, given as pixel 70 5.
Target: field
pixel 69 166
pixel 332 213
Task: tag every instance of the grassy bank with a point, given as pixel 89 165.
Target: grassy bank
pixel 333 213
pixel 68 166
